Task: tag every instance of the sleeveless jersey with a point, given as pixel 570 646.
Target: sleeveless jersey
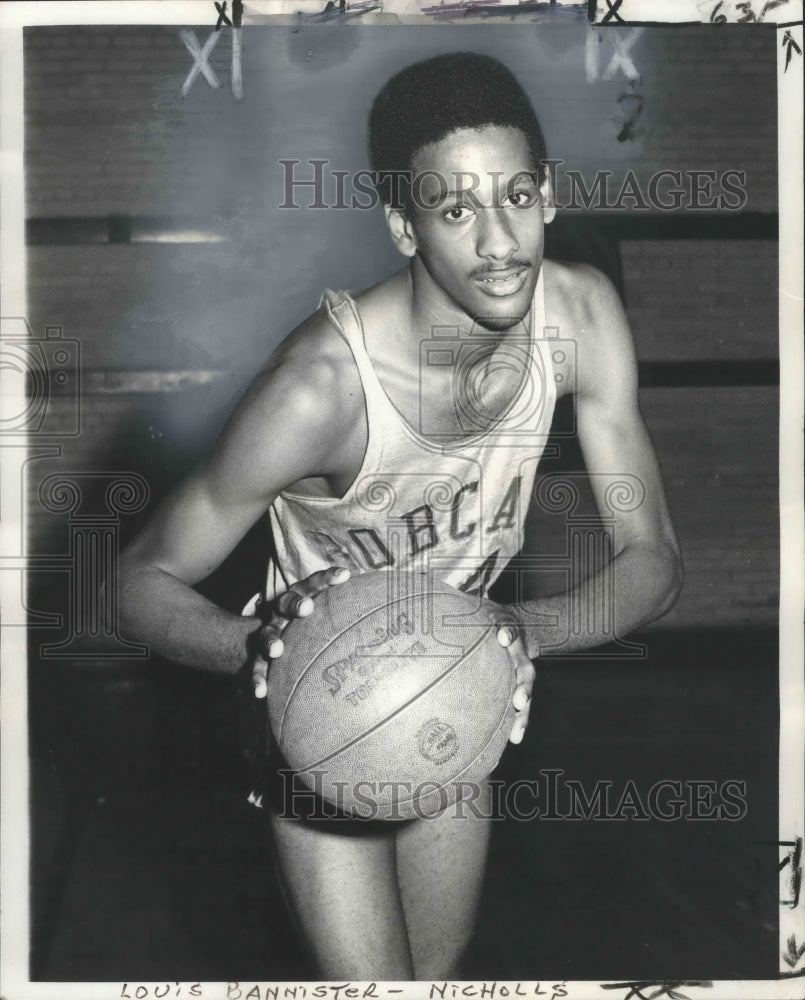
pixel 452 506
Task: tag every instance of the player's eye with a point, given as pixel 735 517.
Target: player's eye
pixel 522 198
pixel 457 213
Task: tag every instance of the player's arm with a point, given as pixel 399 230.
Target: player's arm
pixel 645 574
pixel 285 429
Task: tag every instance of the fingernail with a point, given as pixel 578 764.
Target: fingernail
pixel 341 572
pixel 505 638
pixel 260 689
pixel 304 607
pixel 276 647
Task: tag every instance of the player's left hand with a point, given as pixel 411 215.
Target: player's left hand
pixel 510 635
pixel 296 602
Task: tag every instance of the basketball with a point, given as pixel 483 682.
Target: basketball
pixel 393 697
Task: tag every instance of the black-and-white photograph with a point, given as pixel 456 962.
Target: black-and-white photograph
pixel 403 558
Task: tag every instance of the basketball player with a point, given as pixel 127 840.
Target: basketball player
pixel 365 457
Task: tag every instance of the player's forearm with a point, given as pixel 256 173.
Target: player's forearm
pixel 639 585
pixel 181 625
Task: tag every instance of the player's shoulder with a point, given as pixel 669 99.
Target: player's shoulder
pixel 385 305
pixel 585 305
pixel 582 293
pixel 307 392
pixel 312 369
pixel 315 352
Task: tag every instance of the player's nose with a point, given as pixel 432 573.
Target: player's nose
pixel 496 237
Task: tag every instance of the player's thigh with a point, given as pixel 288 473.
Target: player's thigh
pixel 440 865
pixel 341 885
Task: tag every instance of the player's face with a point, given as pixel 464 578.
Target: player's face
pixel 478 222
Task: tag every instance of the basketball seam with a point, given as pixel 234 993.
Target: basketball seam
pixel 335 638
pixel 301 676
pixel 397 711
pixel 469 764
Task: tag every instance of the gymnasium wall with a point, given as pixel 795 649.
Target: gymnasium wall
pixel 155 241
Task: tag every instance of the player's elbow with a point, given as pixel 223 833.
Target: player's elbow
pixel 128 574
pixel 134 590
pixel 656 578
pixel 670 577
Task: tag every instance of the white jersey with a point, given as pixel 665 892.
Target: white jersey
pixel 454 507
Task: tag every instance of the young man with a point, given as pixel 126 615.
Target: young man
pixel 375 443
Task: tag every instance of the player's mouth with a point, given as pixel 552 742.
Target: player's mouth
pixel 502 281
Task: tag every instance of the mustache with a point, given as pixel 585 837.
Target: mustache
pixel 486 269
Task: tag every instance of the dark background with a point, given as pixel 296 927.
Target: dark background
pixel 154 241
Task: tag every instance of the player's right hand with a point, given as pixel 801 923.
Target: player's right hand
pixel 296 602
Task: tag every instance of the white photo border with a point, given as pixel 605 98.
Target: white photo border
pixel 14 926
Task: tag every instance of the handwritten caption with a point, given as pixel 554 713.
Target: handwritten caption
pixel 441 990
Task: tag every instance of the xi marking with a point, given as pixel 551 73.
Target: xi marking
pixel 200 56
pixel 793 952
pixel 612 12
pixel 621 58
pixel 793 858
pixel 657 989
pixel 791 46
pixel 222 18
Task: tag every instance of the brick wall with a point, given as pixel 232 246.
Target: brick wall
pixel 104 130
pixel 718 451
pixel 105 134
pixel 702 299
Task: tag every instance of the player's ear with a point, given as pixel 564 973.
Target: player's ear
pixel 401 229
pixel 548 201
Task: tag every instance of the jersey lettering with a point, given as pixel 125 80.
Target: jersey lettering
pixel 421 529
pixel 364 548
pixel 455 533
pixel 508 508
pixel 477 582
pixel 331 550
pixel 372 548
